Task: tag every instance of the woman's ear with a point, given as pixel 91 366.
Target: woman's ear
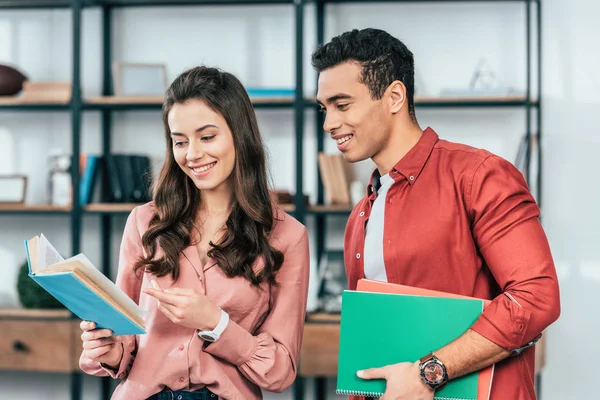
pixel 397 96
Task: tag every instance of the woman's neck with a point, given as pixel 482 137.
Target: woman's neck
pixel 216 202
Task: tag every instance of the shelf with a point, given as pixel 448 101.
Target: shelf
pixel 429 1
pixel 13 208
pixel 140 3
pixel 11 103
pixel 109 208
pixel 478 101
pixel 26 313
pixel 155 102
pixel 323 318
pixel 330 209
pixel 34 4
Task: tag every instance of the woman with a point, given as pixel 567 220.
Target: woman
pixel 222 271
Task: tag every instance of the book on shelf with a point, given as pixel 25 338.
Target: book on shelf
pixel 336 175
pixel 83 289
pixel 115 178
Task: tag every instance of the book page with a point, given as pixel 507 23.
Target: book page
pixel 108 286
pixel 47 254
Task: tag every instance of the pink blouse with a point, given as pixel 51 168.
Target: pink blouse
pixel 248 356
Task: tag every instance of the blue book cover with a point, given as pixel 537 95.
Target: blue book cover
pixel 82 294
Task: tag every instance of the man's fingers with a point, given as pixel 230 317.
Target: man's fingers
pixel 372 373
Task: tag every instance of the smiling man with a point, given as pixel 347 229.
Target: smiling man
pixel 436 215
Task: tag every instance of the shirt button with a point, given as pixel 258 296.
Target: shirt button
pixel 362 214
pixel 357 255
pixel 181 379
pixel 181 348
pixel 412 178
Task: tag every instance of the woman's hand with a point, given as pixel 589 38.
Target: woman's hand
pixel 186 307
pixel 100 345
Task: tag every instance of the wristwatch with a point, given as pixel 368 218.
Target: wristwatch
pixel 212 336
pixel 433 371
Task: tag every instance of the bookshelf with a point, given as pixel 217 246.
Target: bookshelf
pixel 320 328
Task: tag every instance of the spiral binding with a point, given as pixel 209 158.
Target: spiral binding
pixel 358 393
pixel 379 394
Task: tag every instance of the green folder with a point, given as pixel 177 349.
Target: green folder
pixel 379 329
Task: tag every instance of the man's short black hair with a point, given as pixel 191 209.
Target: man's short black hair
pixel 383 58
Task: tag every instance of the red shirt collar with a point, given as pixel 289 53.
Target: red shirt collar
pixel 411 165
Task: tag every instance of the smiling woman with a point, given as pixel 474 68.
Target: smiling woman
pixel 221 269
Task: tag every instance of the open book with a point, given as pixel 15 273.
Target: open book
pixel 83 289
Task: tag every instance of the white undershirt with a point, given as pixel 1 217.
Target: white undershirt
pixel 373 252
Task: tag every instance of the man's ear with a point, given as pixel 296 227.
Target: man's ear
pixel 397 96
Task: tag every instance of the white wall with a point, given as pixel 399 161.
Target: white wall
pixel 256 43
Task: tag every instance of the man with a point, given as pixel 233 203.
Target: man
pixel 437 215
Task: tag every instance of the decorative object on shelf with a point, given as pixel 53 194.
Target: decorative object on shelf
pixel 284 197
pixel 13 189
pixel 331 281
pixel 336 175
pixel 484 82
pixel 60 191
pixel 32 295
pixel 11 80
pixel 137 79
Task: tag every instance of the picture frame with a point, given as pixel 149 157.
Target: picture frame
pixel 13 189
pixel 139 79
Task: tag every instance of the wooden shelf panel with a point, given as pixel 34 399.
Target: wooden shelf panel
pixel 322 318
pixel 32 208
pixel 110 208
pixel 155 102
pixel 330 209
pixel 25 313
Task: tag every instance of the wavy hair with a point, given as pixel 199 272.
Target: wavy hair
pixel 177 200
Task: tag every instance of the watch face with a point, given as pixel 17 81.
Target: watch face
pixel 433 372
pixel 206 337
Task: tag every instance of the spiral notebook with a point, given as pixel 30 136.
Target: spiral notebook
pixel 486 375
pixel 379 329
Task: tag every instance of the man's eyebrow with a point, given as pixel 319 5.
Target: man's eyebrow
pixel 334 98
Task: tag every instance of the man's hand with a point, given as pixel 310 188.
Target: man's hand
pixel 186 307
pixel 403 381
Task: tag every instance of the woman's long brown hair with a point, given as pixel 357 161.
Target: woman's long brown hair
pixel 177 200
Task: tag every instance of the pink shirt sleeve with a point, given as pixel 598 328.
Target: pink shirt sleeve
pixel 128 282
pixel 270 358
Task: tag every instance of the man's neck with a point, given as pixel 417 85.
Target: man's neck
pixel 401 141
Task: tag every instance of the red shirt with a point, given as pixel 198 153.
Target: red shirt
pixel 462 220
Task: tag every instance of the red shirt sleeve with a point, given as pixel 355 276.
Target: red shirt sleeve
pixel 509 235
